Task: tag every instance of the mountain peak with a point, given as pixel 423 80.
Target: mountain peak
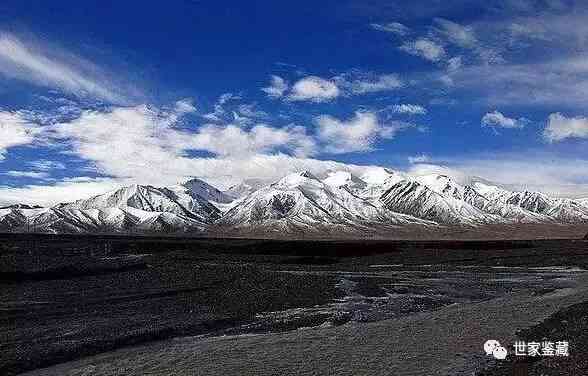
pixel 377 175
pixel 344 178
pixel 301 201
pixel 206 191
pixel 21 206
pixel 307 174
pixel 296 179
pixel 193 180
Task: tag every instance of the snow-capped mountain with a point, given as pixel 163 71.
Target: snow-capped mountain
pixel 106 220
pixel 374 199
pixel 303 202
pixel 417 199
pixel 189 200
pixel 22 206
pixel 505 211
pixel 558 209
pixel 189 206
pixel 245 188
pixel 203 190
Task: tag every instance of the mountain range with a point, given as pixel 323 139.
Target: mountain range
pixel 337 201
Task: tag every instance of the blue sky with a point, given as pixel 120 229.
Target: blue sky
pixel 99 94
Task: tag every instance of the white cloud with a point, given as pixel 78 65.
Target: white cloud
pixel 454 63
pixel 27 174
pixel 247 114
pixel 220 113
pixel 358 134
pixel 411 109
pixel 462 36
pixel 497 119
pixel 64 191
pixel 233 141
pixel 46 165
pixel 124 142
pixel 184 106
pixel 318 89
pixel 144 143
pixel 229 109
pixel 278 86
pixel 365 83
pixel 45 67
pixel 560 127
pixel 251 111
pixel 15 131
pixel 424 48
pixel 314 89
pixel 391 27
pixel 421 158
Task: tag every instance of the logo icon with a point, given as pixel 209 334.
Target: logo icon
pixel 492 347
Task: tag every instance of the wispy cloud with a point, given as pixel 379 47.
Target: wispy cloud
pixel 391 27
pixel 45 66
pixel 357 83
pixel 462 36
pixel 229 108
pixel 278 86
pixel 421 158
pixel 410 109
pixel 425 48
pixel 27 174
pixel 562 82
pixel 46 165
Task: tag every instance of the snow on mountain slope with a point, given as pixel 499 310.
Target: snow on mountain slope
pixel 22 206
pixel 378 182
pixel 558 209
pixel 245 188
pixel 205 191
pixel 180 200
pixel 416 199
pixel 447 187
pixel 134 208
pixel 369 199
pixel 12 218
pixel 568 211
pixel 107 220
pixel 302 201
pixel 345 179
pixel 378 175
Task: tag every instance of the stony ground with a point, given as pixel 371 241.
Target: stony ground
pixel 63 299
pixel 568 324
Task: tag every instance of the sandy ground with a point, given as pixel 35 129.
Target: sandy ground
pixel 444 342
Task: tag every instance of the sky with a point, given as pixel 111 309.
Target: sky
pixel 94 95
